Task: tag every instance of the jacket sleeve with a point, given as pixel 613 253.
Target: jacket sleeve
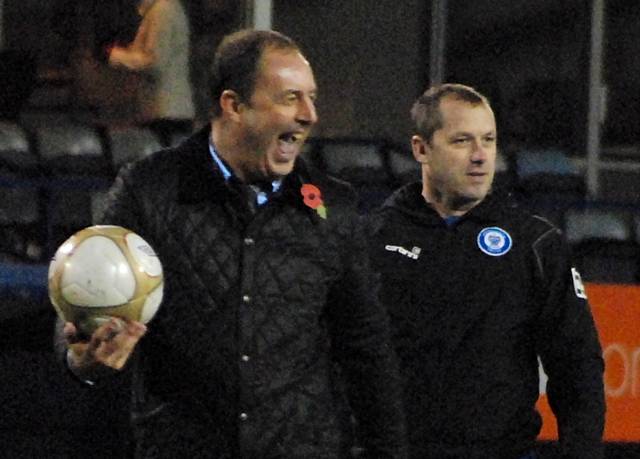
pixel 120 205
pixel 570 351
pixel 361 340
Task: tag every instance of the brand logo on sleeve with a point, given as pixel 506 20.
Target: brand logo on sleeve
pixel 578 286
pixel 494 241
pixel 414 253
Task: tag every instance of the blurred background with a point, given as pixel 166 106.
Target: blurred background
pixel 563 78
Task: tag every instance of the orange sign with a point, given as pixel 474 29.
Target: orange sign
pixel 616 311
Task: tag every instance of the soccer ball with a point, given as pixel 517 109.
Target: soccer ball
pixel 102 272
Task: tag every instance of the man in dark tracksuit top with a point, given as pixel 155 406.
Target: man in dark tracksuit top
pixel 477 290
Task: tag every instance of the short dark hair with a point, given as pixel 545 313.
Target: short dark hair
pixel 426 114
pixel 236 61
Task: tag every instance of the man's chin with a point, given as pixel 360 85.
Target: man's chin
pixel 280 170
pixel 476 193
pixel 467 201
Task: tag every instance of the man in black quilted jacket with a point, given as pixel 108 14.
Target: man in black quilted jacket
pixel 269 336
pixel 477 290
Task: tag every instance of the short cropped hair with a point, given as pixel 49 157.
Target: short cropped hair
pixel 426 114
pixel 237 59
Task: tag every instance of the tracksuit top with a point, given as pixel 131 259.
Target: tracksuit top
pixel 473 306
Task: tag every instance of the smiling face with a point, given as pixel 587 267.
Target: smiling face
pixel 458 161
pixel 274 123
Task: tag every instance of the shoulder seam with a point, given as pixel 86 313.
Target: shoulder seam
pixel 535 244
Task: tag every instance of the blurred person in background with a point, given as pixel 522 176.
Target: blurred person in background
pixel 477 290
pixel 160 53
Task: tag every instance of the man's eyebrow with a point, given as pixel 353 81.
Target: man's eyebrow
pixel 298 91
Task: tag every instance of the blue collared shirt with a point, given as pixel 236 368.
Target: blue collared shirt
pixel 261 196
pixel 452 220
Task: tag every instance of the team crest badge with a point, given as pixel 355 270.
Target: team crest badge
pixel 494 241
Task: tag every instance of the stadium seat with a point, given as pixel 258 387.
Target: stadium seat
pixel 608 223
pixel 603 245
pixel 68 148
pixel 361 163
pixel 128 144
pixel 77 170
pixel 532 161
pixel 548 183
pixel 608 261
pixel 506 176
pixel 309 152
pixel 403 166
pixel 21 216
pixel 16 152
pixel 33 118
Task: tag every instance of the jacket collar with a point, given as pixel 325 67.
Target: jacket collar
pixel 202 180
pixel 409 200
pixel 200 177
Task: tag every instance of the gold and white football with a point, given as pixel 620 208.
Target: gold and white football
pixel 102 272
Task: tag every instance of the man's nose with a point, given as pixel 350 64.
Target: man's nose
pixel 307 111
pixel 479 152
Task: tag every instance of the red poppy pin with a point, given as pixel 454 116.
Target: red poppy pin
pixel 313 198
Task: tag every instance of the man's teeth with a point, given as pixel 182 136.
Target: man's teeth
pixel 290 138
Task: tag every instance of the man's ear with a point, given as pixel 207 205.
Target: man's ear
pixel 230 103
pixel 420 148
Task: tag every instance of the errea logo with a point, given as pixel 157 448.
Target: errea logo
pixel 413 254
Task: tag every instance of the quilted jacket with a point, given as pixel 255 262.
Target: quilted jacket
pixel 268 324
